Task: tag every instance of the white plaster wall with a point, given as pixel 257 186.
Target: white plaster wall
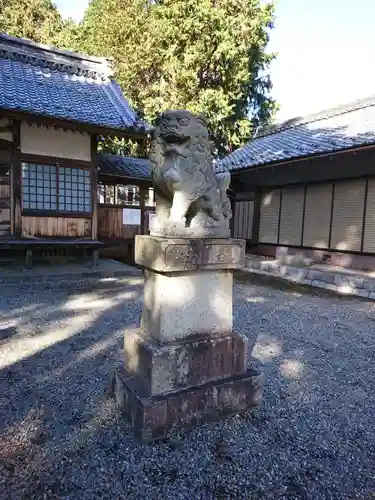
pixel 48 141
pixel 7 136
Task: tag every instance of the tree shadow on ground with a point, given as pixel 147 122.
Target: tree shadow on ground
pixel 65 342
pixel 63 437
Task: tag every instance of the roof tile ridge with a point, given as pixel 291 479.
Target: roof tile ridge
pixel 29 52
pixel 315 117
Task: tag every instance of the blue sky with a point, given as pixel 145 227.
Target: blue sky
pixel 325 52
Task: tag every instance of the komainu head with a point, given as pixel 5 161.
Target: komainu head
pixel 179 126
pixel 181 133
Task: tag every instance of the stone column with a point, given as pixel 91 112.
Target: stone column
pixel 185 365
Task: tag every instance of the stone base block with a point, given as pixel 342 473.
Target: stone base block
pixel 158 417
pixel 178 306
pixel 179 364
pixel 194 254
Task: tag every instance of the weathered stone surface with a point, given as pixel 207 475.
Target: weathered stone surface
pixel 296 274
pixel 361 293
pixel 306 282
pixel 283 270
pixel 179 305
pixel 355 282
pixel 191 199
pixel 159 416
pixel 314 275
pixel 294 260
pixel 341 280
pixel 183 363
pixel 253 264
pixel 267 267
pixel 348 284
pixel 345 289
pixel 321 276
pixel 180 254
pixel 369 285
pixel 352 281
pixel 323 284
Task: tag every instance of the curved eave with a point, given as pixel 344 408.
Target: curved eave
pixel 275 163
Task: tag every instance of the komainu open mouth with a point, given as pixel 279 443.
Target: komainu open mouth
pixel 174 137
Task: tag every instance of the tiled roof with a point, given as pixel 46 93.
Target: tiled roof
pixel 42 80
pixel 125 166
pixel 344 127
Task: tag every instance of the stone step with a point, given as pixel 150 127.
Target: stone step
pixel 340 282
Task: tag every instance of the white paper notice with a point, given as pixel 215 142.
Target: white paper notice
pixel 131 217
pixel 151 221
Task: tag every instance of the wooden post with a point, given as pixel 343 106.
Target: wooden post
pixel 95 257
pixel 94 188
pixel 28 258
pixel 142 194
pixel 15 189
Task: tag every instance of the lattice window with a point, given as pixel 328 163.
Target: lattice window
pixel 47 187
pixel 39 187
pixel 74 190
pixel 119 194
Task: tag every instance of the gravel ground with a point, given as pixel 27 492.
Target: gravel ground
pixel 62 438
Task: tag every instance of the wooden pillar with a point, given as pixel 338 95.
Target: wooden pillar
pixel 94 188
pixel 15 191
pixel 142 194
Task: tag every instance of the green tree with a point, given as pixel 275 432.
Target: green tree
pixel 208 56
pixel 36 20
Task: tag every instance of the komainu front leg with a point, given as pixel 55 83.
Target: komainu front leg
pixel 180 206
pixel 163 207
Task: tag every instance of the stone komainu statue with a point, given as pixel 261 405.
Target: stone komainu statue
pixel 187 191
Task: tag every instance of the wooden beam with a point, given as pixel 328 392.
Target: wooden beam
pixel 247 196
pixel 118 179
pixel 324 168
pixel 55 160
pixel 30 212
pixel 73 125
pixel 312 157
pixel 94 149
pixel 15 198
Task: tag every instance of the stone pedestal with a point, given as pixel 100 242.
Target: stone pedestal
pixel 185 365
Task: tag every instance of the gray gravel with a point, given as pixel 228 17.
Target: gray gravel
pixel 62 438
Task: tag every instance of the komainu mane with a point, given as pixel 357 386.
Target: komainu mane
pixel 188 193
